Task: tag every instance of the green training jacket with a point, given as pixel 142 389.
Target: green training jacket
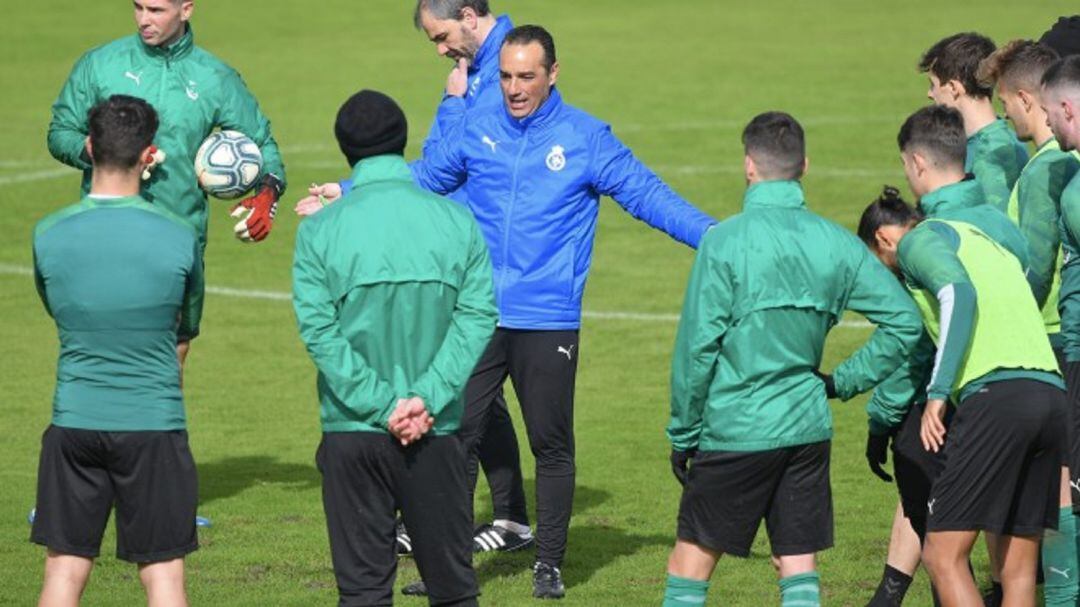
pixel 193 93
pixel 1069 297
pixel 119 311
pixel 962 201
pixel 977 307
pixel 1035 206
pixel 392 289
pixel 766 287
pixel 996 157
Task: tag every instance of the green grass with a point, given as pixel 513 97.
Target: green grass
pixel 676 80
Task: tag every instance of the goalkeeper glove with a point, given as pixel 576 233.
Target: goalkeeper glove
pixel 257 212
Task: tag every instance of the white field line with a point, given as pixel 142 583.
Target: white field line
pixel 36 176
pixel 17 270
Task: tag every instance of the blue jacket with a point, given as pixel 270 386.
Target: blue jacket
pixel 483 92
pixel 534 186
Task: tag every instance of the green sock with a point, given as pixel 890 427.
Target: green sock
pixel 684 592
pixel 802 590
pixel 1059 561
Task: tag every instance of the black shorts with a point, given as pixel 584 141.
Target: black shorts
pixel 149 476
pixel 915 467
pixel 1002 461
pixel 729 492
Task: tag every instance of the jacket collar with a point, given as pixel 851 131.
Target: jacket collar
pixel 174 51
pixel 387 167
pixel 780 194
pixel 538 119
pixel 988 131
pixel 960 195
pixel 487 58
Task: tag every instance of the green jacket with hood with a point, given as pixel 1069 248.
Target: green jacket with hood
pixel 393 294
pixel 193 93
pixel 766 287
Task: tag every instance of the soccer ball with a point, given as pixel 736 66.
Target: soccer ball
pixel 227 164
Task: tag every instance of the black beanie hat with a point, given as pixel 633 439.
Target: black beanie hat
pixel 1064 36
pixel 370 124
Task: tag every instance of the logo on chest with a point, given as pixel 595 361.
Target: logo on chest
pixel 192 94
pixel 556 160
pixel 136 78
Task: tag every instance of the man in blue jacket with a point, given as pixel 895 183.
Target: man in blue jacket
pixel 467 32
pixel 533 175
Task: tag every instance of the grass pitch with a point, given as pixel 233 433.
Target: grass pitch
pixel 677 81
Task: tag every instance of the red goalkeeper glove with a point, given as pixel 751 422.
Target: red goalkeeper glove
pixel 257 212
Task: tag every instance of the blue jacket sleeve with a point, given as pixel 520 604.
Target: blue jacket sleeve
pixel 444 169
pixel 619 174
pixel 448 116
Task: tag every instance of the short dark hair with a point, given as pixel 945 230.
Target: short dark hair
pixel 888 210
pixel 1020 64
pixel 121 127
pixel 448 9
pixel 936 131
pixel 776 142
pixel 957 58
pixel 527 34
pixel 1065 72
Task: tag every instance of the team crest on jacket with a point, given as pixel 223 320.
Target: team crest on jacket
pixel 555 160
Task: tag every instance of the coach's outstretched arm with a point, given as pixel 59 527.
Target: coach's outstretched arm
pixel 68 128
pixel 706 317
pixel 443 169
pixel 342 370
pixel 471 327
pixel 619 174
pixel 877 295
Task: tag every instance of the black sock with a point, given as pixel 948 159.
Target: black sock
pixel 995 596
pixel 891 590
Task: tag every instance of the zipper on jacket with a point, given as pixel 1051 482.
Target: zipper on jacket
pixel 164 82
pixel 509 214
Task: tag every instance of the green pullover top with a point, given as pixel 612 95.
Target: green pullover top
pixel 119 311
pixel 996 157
pixel 1035 207
pixel 1069 297
pixel 193 93
pixel 766 287
pixel 976 307
pixel 392 289
pixel 961 201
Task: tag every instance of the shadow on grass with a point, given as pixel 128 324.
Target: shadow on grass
pixel 591 545
pixel 227 477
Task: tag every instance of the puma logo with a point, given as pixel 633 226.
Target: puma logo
pixel 568 351
pixel 488 141
pixel 136 77
pixel 1062 572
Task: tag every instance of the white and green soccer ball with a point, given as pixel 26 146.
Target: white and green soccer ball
pixel 227 164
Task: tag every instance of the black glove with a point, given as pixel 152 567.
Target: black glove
pixel 877 453
pixel 680 464
pixel 830 386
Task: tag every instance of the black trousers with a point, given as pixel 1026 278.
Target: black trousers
pixel 367 477
pixel 542 366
